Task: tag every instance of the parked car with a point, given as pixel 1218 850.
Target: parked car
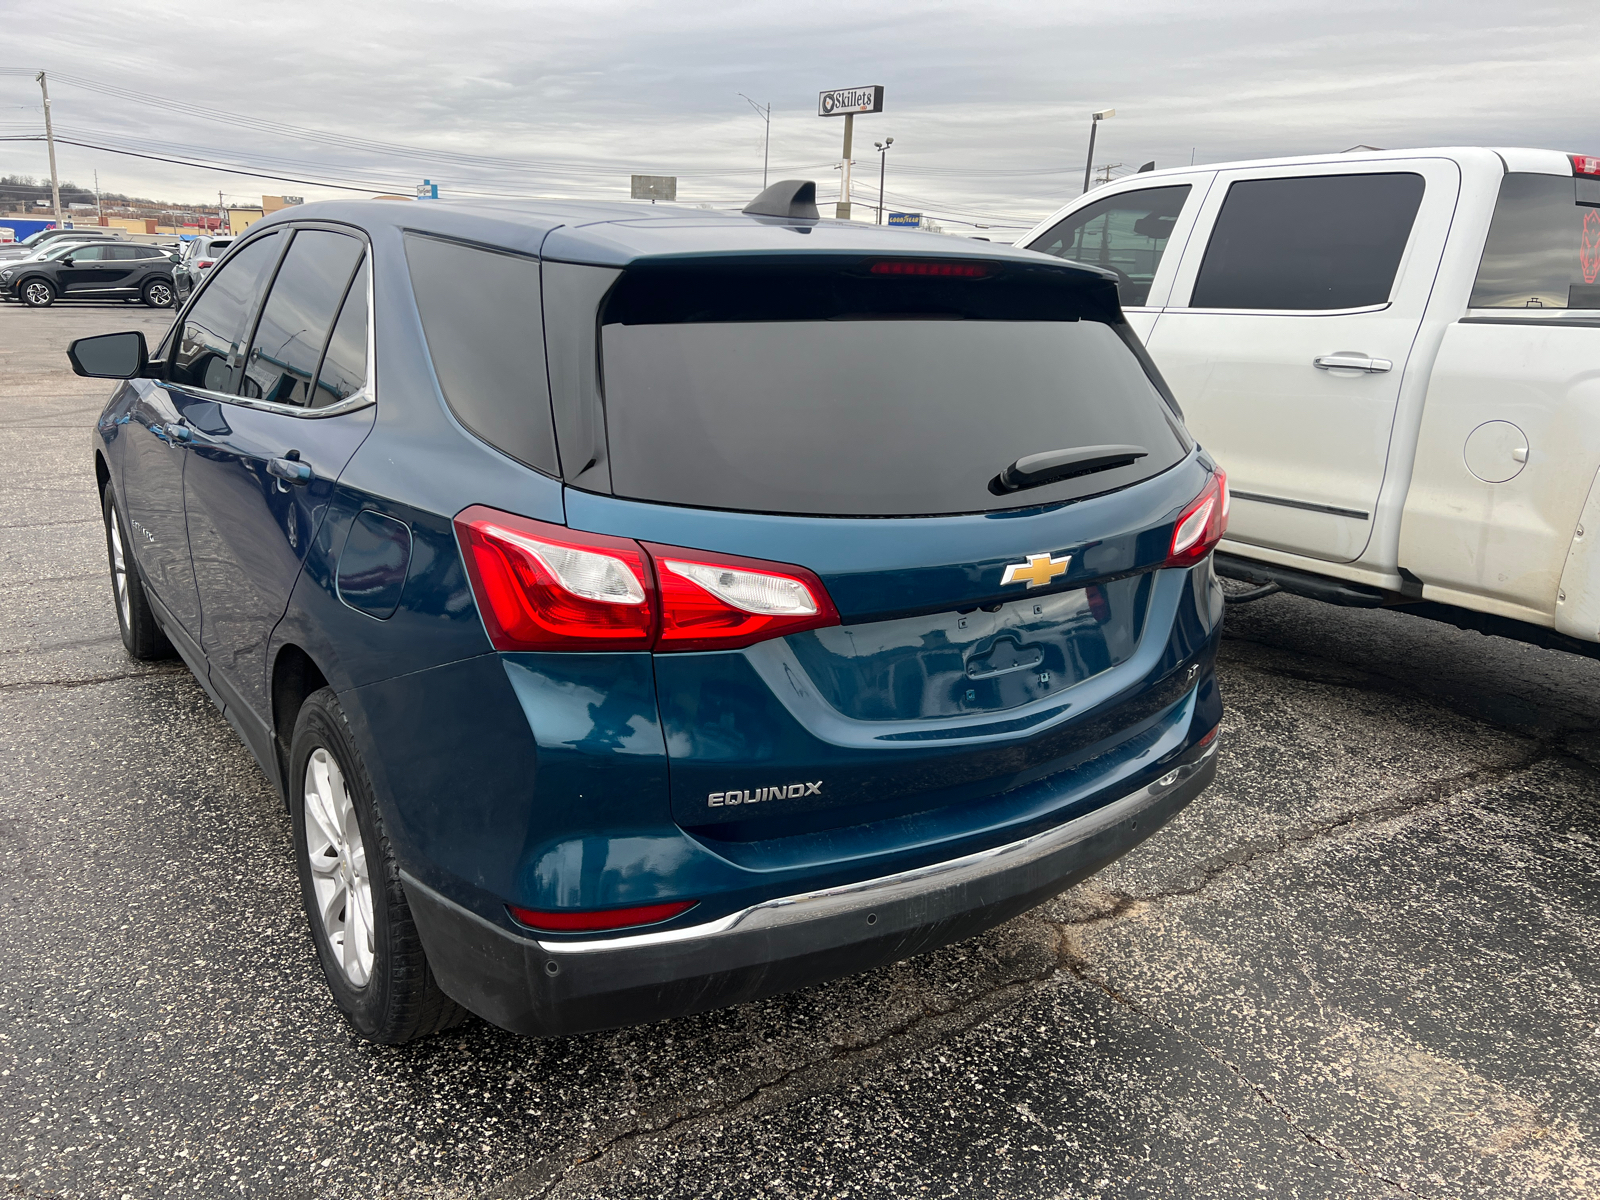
pixel 872 606
pixel 199 255
pixel 1392 353
pixel 93 272
pixel 37 240
pixel 47 252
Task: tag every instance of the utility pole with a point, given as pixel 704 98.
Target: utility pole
pixel 1094 125
pixel 98 215
pixel 1105 172
pixel 883 158
pixel 766 142
pixel 50 140
pixel 843 209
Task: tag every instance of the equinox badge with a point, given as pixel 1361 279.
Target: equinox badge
pixel 790 791
pixel 1039 570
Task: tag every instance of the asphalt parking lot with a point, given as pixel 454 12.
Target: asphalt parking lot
pixel 1363 965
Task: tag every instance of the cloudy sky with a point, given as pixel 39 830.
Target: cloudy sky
pixel 988 103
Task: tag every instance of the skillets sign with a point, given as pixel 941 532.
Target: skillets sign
pixel 840 101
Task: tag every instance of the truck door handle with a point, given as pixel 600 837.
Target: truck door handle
pixel 290 470
pixel 1347 360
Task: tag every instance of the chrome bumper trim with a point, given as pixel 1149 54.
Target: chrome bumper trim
pixel 869 893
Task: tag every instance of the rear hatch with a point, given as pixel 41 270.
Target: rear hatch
pixel 999 621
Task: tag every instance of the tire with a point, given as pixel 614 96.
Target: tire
pixel 158 293
pixel 37 293
pixel 141 636
pixel 368 944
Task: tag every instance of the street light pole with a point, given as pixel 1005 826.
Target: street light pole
pixel 1088 167
pixel 883 158
pixel 766 141
pixel 50 139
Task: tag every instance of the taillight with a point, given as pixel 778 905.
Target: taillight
pixel 719 602
pixel 1585 164
pixel 1201 525
pixel 205 262
pixel 547 587
pixel 591 922
pixel 544 587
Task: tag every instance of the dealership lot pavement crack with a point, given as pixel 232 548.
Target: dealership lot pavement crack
pixel 1362 965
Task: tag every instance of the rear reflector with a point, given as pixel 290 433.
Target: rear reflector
pixel 546 587
pixel 949 270
pixel 592 922
pixel 1201 525
pixel 1585 164
pixel 1210 737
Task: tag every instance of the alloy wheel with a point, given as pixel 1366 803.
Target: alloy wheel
pixel 160 295
pixel 119 574
pixel 37 293
pixel 338 860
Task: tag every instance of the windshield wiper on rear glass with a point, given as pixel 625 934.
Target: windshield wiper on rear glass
pixel 1036 470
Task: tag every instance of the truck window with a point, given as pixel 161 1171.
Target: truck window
pixel 1126 234
pixel 1309 242
pixel 1543 248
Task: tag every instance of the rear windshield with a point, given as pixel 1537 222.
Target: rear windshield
pixel 1543 249
pixel 840 390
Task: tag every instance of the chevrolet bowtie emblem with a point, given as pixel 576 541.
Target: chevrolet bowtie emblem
pixel 1039 570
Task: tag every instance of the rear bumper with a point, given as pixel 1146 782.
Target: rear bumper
pixel 553 988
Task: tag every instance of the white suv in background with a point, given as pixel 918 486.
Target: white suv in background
pixel 1396 357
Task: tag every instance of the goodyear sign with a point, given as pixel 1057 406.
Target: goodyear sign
pixel 906 220
pixel 840 101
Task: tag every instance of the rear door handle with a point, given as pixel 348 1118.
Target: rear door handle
pixel 290 470
pixel 1346 360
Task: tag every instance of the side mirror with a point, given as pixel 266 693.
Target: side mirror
pixel 66 260
pixel 109 356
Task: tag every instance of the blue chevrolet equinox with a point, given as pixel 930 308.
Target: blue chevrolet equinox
pixel 645 610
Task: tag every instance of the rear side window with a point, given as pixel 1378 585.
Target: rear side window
pixel 1126 234
pixel 832 390
pixel 481 316
pixel 298 316
pixel 211 346
pixel 344 366
pixel 1307 243
pixel 1543 249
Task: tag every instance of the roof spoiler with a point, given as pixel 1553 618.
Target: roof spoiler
pixel 787 198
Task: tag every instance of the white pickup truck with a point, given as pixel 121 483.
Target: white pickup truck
pixel 1396 357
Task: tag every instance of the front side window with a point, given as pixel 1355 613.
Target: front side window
pixel 298 315
pixel 1543 248
pixel 1308 242
pixel 83 254
pixel 1126 234
pixel 210 350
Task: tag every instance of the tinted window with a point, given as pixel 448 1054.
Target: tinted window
pixel 1126 234
pixel 837 393
pixel 297 316
pixel 83 254
pixel 480 315
pixel 1319 242
pixel 344 366
pixel 130 253
pixel 211 347
pixel 1543 249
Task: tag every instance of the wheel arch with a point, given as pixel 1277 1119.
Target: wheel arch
pixel 295 675
pixel 102 474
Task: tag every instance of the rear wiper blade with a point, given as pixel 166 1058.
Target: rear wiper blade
pixel 1036 470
